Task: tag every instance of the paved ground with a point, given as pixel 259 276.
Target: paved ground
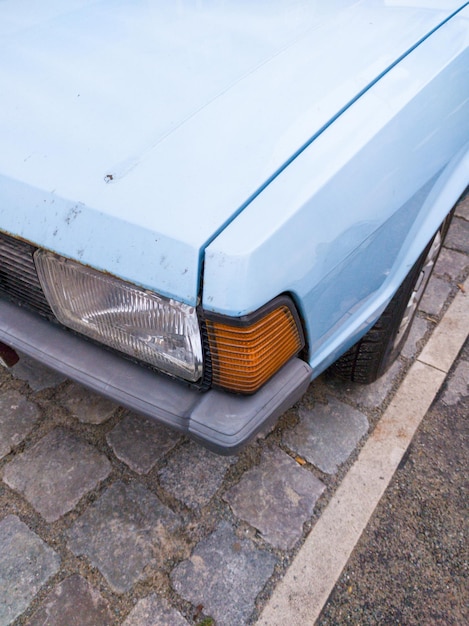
pixel 106 518
pixel 411 564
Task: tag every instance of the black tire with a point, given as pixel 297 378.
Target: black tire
pixel 376 351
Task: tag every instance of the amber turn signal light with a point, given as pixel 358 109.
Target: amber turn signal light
pixel 246 352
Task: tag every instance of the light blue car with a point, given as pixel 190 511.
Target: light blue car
pixel 204 205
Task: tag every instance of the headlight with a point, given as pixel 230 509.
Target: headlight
pixel 160 331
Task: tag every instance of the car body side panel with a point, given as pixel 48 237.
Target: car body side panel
pixel 342 225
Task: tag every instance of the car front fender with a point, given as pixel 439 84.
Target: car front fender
pixel 340 227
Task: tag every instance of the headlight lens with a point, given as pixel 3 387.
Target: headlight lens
pixel 160 331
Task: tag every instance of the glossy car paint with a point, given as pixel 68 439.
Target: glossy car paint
pixel 99 141
pixel 342 225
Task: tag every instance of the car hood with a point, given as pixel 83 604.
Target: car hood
pixel 133 132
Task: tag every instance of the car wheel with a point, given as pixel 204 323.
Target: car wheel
pixel 372 356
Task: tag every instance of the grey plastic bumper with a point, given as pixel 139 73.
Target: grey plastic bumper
pixel 221 421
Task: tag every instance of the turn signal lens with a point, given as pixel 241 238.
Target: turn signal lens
pixel 246 352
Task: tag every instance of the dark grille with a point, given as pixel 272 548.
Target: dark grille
pixel 18 278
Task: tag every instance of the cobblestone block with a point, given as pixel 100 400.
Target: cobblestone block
pixel 194 474
pixel 26 564
pixel 417 333
pixel 276 497
pixel 327 434
pixel 17 419
pixel 457 385
pixel 435 296
pixel 123 532
pixel 35 374
pixel 451 264
pixel 458 235
pixel 86 406
pixel 153 611
pixel 74 601
pixel 224 574
pixel 462 209
pixel 140 442
pixel 56 473
pixel 369 396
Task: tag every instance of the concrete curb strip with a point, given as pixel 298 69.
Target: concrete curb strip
pixel 312 576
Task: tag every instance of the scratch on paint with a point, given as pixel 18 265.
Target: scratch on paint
pixel 73 213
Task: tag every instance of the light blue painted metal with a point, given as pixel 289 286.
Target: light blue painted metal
pixel 343 224
pixel 133 132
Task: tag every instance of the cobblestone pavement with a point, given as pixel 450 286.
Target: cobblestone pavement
pixel 108 518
